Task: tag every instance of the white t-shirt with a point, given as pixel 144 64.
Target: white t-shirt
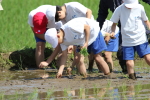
pixel 106 28
pixel 132 28
pixel 74 32
pixel 74 10
pixel 43 9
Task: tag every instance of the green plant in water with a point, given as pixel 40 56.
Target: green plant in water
pixel 108 83
pixel 84 52
pixel 126 76
pixel 65 92
pixel 49 94
pixel 20 64
pixel 67 97
pixel 34 95
pixel 124 89
pixel 82 93
pixel 1 96
pixel 96 90
pixel 138 88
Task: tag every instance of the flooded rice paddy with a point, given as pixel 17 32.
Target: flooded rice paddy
pixel 133 92
pixel 36 84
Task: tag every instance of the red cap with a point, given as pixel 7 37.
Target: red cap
pixel 40 23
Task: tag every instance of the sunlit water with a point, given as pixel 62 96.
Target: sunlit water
pixel 140 92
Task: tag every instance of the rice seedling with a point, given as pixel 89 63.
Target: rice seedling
pixel 138 88
pixel 81 93
pixel 108 83
pixel 84 52
pixel 96 91
pixel 123 87
pixel 2 96
pixel 49 94
pixel 33 95
pixel 20 65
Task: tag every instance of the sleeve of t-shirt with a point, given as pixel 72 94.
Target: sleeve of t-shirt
pixel 116 15
pixel 143 14
pixel 79 7
pixel 30 22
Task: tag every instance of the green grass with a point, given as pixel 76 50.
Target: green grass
pixel 14 29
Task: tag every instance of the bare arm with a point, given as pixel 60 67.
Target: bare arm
pixel 41 36
pixel 89 13
pixel 87 35
pixel 113 28
pixel 51 58
pixel 62 64
pixel 148 24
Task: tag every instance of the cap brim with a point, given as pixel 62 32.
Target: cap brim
pixel 1 8
pixel 134 5
pixel 39 31
pixel 51 37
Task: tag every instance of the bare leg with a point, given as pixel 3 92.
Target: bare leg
pixel 39 53
pixel 108 59
pixel 147 59
pixel 81 66
pixel 70 49
pixel 130 66
pixel 99 59
pixel 75 60
pixel 91 62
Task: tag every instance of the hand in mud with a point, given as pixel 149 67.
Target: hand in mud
pixel 59 75
pixel 69 71
pixel 43 64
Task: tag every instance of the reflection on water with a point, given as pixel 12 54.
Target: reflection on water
pixel 140 92
pixel 28 74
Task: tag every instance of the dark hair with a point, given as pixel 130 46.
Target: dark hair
pixel 58 8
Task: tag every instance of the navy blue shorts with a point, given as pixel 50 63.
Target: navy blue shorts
pixel 142 50
pixel 98 45
pixel 113 44
pixel 38 39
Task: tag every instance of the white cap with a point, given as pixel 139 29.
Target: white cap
pixel 1 8
pixel 51 37
pixel 50 14
pixel 131 3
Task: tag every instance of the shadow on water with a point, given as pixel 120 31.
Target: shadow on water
pixel 140 92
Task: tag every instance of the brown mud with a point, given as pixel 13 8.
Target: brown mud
pixel 21 61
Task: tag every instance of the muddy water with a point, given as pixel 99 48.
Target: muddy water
pixel 29 74
pixel 140 92
pixel 34 87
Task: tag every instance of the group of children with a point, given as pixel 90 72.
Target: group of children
pixel 74 24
